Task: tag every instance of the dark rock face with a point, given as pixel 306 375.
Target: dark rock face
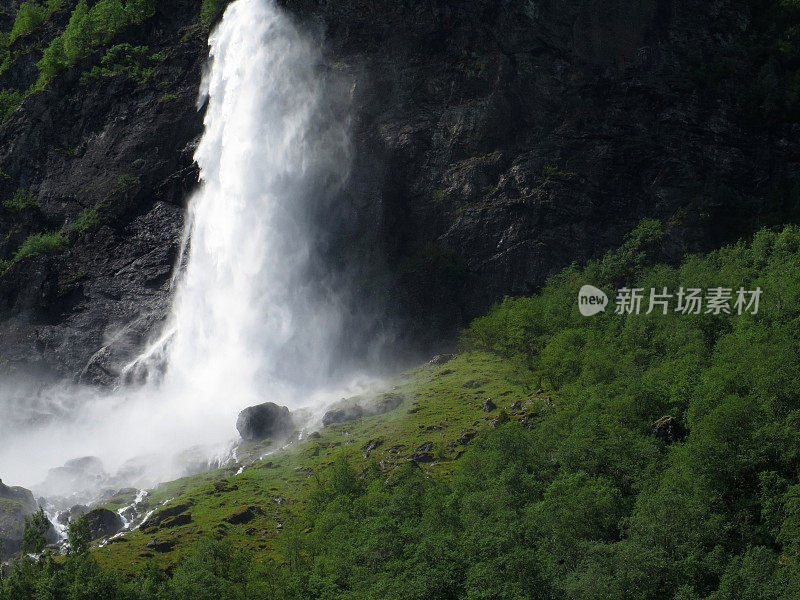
pixel 119 146
pixel 103 522
pixel 264 421
pixel 15 504
pixel 494 144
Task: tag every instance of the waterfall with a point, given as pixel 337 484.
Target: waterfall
pixel 246 318
pixel 249 322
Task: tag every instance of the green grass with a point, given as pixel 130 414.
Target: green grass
pixel 440 402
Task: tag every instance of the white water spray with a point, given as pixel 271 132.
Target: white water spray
pixel 248 324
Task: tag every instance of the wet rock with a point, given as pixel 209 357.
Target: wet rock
pixel 264 421
pixel 441 359
pixel 342 415
pixel 103 522
pixel 80 474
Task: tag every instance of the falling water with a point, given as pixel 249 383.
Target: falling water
pixel 249 323
pixel 246 319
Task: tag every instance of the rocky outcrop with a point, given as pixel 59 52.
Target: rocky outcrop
pixel 103 522
pixel 263 421
pixel 16 503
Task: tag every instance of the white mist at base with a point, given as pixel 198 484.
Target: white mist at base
pixel 249 323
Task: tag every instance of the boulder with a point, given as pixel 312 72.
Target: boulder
pixel 103 522
pixel 667 429
pixel 441 359
pixel 342 415
pixel 489 405
pixel 264 421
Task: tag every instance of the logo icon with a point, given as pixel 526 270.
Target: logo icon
pixel 591 300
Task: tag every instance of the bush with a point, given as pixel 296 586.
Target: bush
pixel 89 29
pixel 210 10
pixel 10 99
pixel 21 200
pixel 40 243
pixel 29 17
pixel 86 220
pixel 138 62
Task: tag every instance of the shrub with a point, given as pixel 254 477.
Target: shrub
pixel 210 11
pixel 10 99
pixel 29 17
pixel 89 29
pixel 86 220
pixel 41 243
pixel 21 200
pixel 135 61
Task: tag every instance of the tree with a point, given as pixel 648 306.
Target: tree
pixel 79 536
pixel 33 537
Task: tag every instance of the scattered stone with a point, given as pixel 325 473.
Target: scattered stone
pixel 489 405
pixel 422 457
pixel 158 517
pixel 161 545
pixel 371 445
pixel 263 421
pixel 182 519
pixel 516 406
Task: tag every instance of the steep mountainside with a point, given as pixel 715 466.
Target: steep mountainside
pixel 494 143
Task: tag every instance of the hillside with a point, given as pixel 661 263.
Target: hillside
pixel 652 465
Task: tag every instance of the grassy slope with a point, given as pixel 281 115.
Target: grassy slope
pixel 440 402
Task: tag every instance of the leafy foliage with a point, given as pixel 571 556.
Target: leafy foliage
pixel 40 243
pixel 138 62
pixel 21 200
pixel 88 30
